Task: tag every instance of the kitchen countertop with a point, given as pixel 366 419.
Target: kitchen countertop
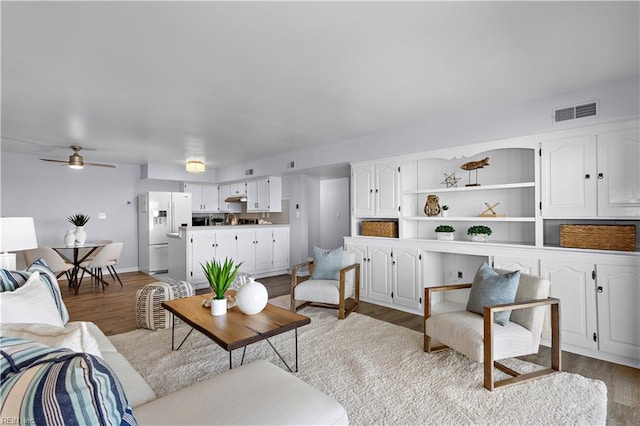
pixel 210 227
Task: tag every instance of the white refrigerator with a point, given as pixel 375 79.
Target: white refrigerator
pixel 159 214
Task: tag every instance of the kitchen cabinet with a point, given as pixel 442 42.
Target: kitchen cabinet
pixel 225 191
pixel 264 195
pixel 204 198
pixel 375 190
pixel 594 175
pixel 206 246
pixel 258 247
pixel 281 242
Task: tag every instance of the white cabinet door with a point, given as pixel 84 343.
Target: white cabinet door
pixel 618 294
pixel 361 252
pixel 226 245
pixel 362 187
pixel 223 192
pixel 381 275
pixel 569 177
pixel 246 250
pixel 264 249
pixel 196 196
pixel 386 190
pixel 202 251
pixel 209 197
pixel 407 283
pixel 618 176
pixel 526 265
pixel 574 285
pixel 252 196
pixel 281 248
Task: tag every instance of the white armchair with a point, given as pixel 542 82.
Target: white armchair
pixel 343 293
pixel 480 339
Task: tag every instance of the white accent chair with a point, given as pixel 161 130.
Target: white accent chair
pixel 343 294
pixel 480 339
pixel 107 258
pixel 55 262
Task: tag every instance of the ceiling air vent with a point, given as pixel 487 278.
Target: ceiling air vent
pixel 576 111
pixel 248 172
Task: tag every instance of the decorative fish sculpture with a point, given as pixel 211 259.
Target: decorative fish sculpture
pixel 472 165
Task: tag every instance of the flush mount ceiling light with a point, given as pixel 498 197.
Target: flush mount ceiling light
pixel 194 166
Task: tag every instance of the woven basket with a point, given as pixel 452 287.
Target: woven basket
pixel 379 229
pixel 599 237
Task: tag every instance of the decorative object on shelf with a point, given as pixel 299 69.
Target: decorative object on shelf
pixel 445 232
pixel 251 297
pixel 379 228
pixel 475 165
pixel 70 238
pixel 451 180
pixel 79 220
pixel 490 208
pixel 479 233
pixel 432 207
pixel 220 276
pixel 599 237
pixel 195 166
pixel 445 211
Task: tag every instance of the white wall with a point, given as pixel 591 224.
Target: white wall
pixel 49 193
pixel 334 212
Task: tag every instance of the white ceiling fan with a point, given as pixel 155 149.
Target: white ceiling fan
pixel 76 161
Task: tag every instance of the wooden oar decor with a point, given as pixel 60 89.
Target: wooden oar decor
pixel 475 165
pixel 490 208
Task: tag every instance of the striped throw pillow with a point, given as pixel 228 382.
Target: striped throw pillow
pixel 59 387
pixel 11 280
pixel 48 277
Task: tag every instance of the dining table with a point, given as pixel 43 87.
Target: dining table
pixel 76 258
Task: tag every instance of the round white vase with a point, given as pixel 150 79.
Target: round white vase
pixel 70 238
pixel 81 235
pixel 252 297
pixel 218 307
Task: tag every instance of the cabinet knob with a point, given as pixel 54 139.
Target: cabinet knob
pixel 599 289
pixel 587 176
pixel 600 175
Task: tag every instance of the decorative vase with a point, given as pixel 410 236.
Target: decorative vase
pixel 480 237
pixel 81 235
pixel 218 307
pixel 70 238
pixel 445 236
pixel 432 207
pixel 252 297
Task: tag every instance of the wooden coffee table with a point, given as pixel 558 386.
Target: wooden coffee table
pixel 235 329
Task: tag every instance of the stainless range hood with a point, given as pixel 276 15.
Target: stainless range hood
pixel 236 199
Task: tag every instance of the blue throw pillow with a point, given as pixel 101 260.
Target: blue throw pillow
pixel 326 264
pixel 489 288
pixel 59 386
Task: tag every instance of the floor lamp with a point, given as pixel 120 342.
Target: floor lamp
pixel 16 234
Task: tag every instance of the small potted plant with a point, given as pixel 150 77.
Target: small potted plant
pixel 445 232
pixel 79 220
pixel 479 233
pixel 220 276
pixel 445 211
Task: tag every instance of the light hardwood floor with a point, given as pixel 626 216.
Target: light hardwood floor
pixel 114 312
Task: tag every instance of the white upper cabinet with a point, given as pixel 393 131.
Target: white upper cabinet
pixel 592 175
pixel 224 192
pixel 204 198
pixel 264 195
pixel 375 190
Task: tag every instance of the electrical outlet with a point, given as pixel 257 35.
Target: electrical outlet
pixel 102 215
pixel 459 274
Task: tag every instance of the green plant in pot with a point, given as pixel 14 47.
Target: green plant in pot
pixel 445 232
pixel 220 276
pixel 79 220
pixel 479 232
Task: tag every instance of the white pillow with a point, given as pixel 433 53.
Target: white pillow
pixel 74 336
pixel 30 303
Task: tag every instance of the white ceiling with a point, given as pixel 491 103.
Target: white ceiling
pixel 163 82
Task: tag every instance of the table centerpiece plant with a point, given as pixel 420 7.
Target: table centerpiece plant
pixel 220 277
pixel 79 220
pixel 445 232
pixel 479 233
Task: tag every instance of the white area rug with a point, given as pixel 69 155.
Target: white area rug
pixel 379 372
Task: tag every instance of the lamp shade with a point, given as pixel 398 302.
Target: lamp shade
pixel 17 233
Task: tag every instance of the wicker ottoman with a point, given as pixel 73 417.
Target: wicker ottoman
pixel 149 312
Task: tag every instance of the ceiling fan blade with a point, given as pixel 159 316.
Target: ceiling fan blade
pixel 55 161
pixel 100 165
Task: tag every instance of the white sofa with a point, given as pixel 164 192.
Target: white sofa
pixel 257 393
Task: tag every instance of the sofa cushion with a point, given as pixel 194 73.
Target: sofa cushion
pixel 74 336
pixel 256 393
pixel 31 302
pixel 59 386
pixel 489 288
pixel 48 277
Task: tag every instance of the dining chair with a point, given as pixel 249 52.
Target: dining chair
pixel 107 258
pixel 55 262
